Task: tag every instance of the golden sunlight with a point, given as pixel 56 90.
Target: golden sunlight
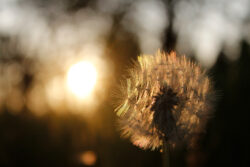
pixel 81 78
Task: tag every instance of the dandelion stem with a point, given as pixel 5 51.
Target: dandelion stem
pixel 166 154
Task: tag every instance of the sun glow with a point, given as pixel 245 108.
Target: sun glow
pixel 81 78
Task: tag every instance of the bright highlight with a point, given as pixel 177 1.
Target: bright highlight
pixel 81 78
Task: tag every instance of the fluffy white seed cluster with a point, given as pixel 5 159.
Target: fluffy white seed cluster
pixel 164 98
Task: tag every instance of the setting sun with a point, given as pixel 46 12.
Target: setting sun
pixel 81 78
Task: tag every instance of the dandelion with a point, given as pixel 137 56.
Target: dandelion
pixel 165 98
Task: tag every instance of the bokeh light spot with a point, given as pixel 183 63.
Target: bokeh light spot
pixel 81 78
pixel 88 158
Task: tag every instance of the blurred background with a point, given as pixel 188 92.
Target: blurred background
pixel 60 61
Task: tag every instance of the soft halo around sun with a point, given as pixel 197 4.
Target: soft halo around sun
pixel 81 79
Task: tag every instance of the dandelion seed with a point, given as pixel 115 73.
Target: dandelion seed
pixel 165 98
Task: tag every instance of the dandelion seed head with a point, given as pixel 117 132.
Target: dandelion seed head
pixel 165 98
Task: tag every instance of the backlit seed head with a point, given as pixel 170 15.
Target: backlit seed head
pixel 164 98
